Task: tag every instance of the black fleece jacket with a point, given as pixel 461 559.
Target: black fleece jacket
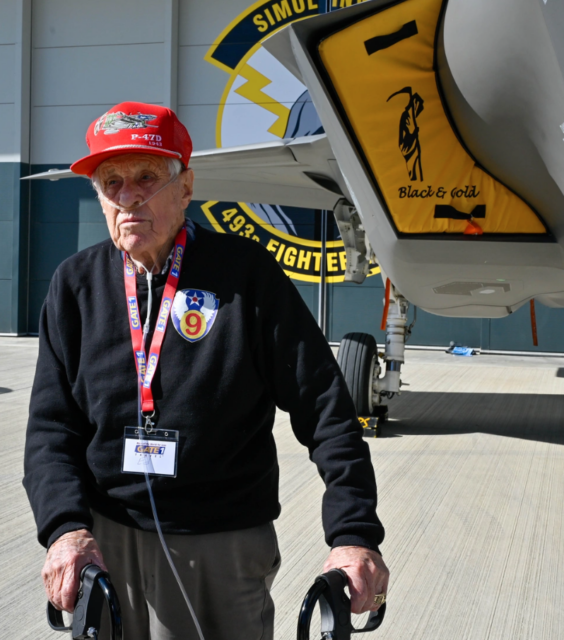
pixel 264 350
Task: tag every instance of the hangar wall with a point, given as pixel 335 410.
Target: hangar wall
pixel 63 63
pixel 15 51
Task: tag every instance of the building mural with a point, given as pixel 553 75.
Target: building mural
pixel 228 91
pixel 262 102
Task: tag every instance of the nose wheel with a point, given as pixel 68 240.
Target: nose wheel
pixel 358 359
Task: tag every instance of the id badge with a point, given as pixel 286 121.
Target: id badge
pixel 155 453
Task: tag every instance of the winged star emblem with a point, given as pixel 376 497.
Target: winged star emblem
pixel 194 312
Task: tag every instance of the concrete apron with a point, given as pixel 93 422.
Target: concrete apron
pixel 470 472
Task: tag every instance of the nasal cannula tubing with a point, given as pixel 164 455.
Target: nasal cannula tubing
pixel 164 545
pixel 140 204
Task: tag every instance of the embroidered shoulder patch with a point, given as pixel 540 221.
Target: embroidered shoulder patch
pixel 194 312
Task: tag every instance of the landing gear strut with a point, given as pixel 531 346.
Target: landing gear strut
pixel 369 379
pixel 394 356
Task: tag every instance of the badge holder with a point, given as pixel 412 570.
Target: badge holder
pixel 152 451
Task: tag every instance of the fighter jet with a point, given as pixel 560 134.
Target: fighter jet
pixel 442 158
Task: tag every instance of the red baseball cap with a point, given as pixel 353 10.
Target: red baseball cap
pixel 134 127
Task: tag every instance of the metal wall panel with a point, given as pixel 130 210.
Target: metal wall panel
pixel 360 307
pixel 8 148
pixel 67 23
pixel 201 23
pixel 8 44
pixel 66 218
pixel 89 56
pixel 7 172
pixel 431 330
pixel 6 239
pixel 6 306
pixel 86 58
pixel 197 118
pixel 354 307
pixel 7 67
pixel 10 247
pixel 14 143
pixel 58 133
pixel 514 332
pixel 96 76
pixel 200 84
pixel 8 205
pixel 8 21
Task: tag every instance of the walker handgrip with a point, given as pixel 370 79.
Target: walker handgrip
pixel 374 620
pixel 94 589
pixel 335 608
pixel 55 618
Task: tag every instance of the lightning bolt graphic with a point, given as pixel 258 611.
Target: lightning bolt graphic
pixel 252 90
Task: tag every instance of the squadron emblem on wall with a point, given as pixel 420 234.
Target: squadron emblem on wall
pixel 264 102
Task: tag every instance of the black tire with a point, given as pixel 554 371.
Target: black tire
pixel 356 358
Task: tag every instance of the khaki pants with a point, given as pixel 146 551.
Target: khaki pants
pixel 227 576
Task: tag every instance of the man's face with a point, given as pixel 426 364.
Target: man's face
pixel 130 179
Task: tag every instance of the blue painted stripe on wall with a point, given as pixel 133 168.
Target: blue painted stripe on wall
pixel 65 217
pixel 13 247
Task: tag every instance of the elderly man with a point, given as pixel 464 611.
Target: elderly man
pixel 163 353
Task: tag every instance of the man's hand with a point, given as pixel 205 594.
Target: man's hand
pixel 367 573
pixel 65 559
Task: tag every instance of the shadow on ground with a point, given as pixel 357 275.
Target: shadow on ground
pixel 530 417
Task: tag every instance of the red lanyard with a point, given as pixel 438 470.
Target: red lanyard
pixel 146 370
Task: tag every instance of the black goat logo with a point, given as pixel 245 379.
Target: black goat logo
pixel 409 144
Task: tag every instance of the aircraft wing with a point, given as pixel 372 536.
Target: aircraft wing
pixel 301 172
pixel 53 175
